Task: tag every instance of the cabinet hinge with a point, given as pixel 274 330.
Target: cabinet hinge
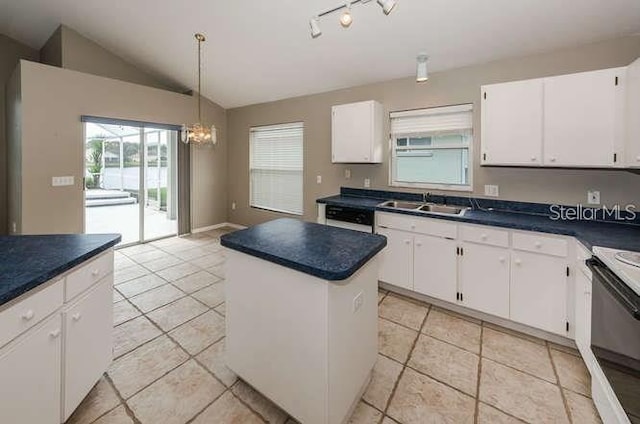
pixel 568 271
pixel 457 295
pixel 567 326
pixel 616 80
pixel 484 156
pixel 485 95
pixel 461 297
pixel 462 251
pixel 615 157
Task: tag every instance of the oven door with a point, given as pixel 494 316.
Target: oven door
pixel 615 335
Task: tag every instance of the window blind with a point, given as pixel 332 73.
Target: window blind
pixel 276 167
pixel 432 120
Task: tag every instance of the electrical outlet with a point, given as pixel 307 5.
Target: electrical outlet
pixel 593 197
pixel 233 206
pixel 319 179
pixel 13 227
pixel 347 174
pixel 491 190
pixel 62 181
pixel 367 183
pixel 357 302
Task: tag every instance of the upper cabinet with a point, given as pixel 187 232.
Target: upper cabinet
pixel 357 132
pixel 632 144
pixel 575 120
pixel 512 123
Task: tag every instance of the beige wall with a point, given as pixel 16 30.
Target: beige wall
pixel 53 100
pixel 51 52
pixel 445 88
pixel 11 52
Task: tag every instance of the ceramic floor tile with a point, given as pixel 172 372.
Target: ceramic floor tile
pixel 572 372
pixel 221 309
pixel 177 397
pixel 403 311
pixel 212 295
pixel 521 395
pixel 446 363
pixel 395 341
pixel 116 416
pixel 174 314
pixel 160 264
pixel 192 253
pixel 213 358
pixel 137 249
pixel 383 380
pixel 582 409
pixel 122 261
pixel 490 415
pixel 101 398
pixel 117 297
pixel 208 261
pixel 144 365
pixel 121 275
pixel 365 414
pixel 156 298
pixel 149 256
pixel 419 399
pixel 381 296
pixel 132 334
pixel 387 420
pixel 195 282
pixel 140 285
pixel 199 333
pixel 269 411
pixel 124 311
pixel 218 270
pixel 518 353
pixel 227 409
pixel 177 272
pixel 452 329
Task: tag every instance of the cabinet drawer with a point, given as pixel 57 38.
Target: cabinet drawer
pixel 395 221
pixel 485 235
pixel 25 314
pixel 88 273
pixel 417 224
pixel 540 244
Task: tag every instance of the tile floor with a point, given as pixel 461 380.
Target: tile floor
pixel 433 366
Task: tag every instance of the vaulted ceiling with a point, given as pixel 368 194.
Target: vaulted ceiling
pixel 260 50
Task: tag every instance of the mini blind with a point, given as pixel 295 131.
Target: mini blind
pixel 432 120
pixel 276 167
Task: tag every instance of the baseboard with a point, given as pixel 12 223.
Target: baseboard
pixel 217 226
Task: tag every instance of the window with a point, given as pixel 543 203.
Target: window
pixel 431 148
pixel 275 167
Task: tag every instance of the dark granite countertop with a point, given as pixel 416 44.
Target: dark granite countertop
pixel 28 261
pixel 364 203
pixel 325 252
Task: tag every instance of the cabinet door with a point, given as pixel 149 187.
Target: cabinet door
pixel 583 312
pixel 581 118
pixel 435 267
pixel 632 146
pixel 30 369
pixel 538 291
pixel 396 262
pixel 88 345
pixel 484 279
pixel 352 132
pixel 511 123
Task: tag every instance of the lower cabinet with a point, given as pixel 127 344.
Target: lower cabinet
pixel 583 312
pixel 396 262
pixel 484 279
pixel 88 324
pixel 434 267
pixel 30 373
pixel 538 294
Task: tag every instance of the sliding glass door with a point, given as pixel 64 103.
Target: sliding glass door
pixel 130 181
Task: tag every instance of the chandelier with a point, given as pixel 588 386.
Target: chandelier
pixel 198 133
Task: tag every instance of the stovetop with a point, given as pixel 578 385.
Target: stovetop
pixel 619 261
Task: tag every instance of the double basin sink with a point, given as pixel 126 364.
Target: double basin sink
pixel 427 208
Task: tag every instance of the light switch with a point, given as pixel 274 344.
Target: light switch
pixel 367 183
pixel 347 174
pixel 62 181
pixel 491 190
pixel 319 179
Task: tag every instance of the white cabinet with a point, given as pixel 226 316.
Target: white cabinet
pixel 484 278
pixel 396 260
pixel 30 370
pixel 583 120
pixel 434 269
pixel 632 137
pixel 357 132
pixel 88 325
pixel 512 123
pixel 538 291
pixel 583 311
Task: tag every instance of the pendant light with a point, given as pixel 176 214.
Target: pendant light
pixel 198 133
pixel 422 73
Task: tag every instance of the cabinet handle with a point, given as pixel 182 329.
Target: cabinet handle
pixel 538 244
pixel 533 158
pixel 27 316
pixel 55 333
pixel 366 158
pixel 518 262
pixel 407 241
pixel 413 226
pixel 418 243
pixel 95 272
pixel 552 159
pixel 76 317
pixel 483 237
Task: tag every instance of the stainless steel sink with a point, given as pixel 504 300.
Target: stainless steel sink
pixel 427 208
pixel 402 205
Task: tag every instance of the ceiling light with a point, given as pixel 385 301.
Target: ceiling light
pixel 387 5
pixel 422 73
pixel 198 133
pixel 314 24
pixel 346 19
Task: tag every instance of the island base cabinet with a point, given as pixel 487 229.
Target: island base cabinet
pixel 88 346
pixel 30 371
pixel 396 260
pixel 435 267
pixel 538 291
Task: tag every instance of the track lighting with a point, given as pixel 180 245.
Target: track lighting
pixel 387 5
pixel 315 27
pixel 346 19
pixel 422 73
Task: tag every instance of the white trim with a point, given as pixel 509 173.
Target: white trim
pixel 216 226
pixel 438 110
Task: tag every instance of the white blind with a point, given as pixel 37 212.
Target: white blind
pixel 276 167
pixel 432 120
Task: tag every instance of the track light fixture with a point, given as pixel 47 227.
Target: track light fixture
pixel 346 18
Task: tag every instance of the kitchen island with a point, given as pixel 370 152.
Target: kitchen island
pixel 301 314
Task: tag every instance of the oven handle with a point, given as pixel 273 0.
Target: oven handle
pixel 614 285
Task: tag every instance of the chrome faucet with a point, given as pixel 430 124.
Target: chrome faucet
pixel 425 196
